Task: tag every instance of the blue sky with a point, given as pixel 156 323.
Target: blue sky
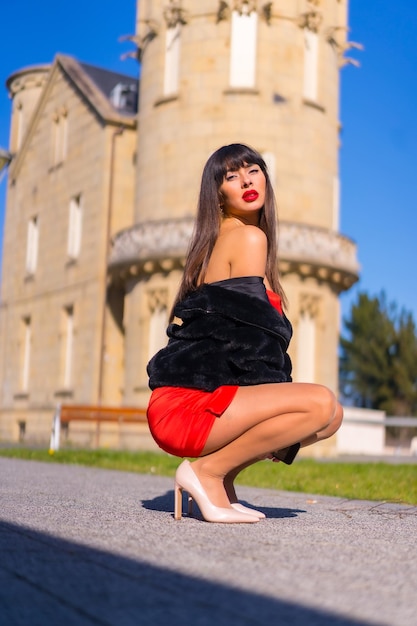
pixel 378 157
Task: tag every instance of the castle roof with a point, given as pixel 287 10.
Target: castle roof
pixel 113 97
pixel 120 89
pixel 111 94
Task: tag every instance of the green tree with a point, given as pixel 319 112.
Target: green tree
pixel 405 367
pixel 378 363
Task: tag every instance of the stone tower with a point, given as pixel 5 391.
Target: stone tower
pixel 25 87
pixel 263 73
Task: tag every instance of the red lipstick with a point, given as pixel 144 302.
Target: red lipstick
pixel 250 195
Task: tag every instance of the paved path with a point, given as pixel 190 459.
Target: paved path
pixel 82 546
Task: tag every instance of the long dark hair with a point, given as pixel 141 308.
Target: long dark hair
pixel 209 216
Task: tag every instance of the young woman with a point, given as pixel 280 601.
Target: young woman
pixel 222 390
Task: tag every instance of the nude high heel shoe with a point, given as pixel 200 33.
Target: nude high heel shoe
pixel 186 480
pixel 245 509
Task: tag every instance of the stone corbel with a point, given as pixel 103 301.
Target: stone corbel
pixel 309 304
pixel 174 14
pixel 243 7
pixel 157 299
pixel 312 17
pixel 223 11
pixel 60 113
pixel 266 12
pixel 311 20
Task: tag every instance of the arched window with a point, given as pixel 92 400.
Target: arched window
pixel 20 128
pixel 172 60
pixel 270 160
pixel 67 345
pixel 59 137
pixel 158 320
pixel 32 245
pixel 243 48
pixel 74 227
pixel 311 61
pixel 306 340
pixel 26 344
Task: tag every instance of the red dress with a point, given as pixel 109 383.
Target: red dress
pixel 180 419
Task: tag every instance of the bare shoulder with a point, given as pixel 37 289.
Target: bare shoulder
pixel 250 235
pixel 239 251
pixel 247 251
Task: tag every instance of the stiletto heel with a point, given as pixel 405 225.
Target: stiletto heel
pixel 245 509
pixel 178 502
pixel 186 480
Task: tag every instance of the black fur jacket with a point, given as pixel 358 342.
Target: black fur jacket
pixel 230 335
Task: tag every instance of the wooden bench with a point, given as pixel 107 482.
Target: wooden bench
pixel 66 413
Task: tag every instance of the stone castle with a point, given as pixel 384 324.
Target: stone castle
pixel 103 186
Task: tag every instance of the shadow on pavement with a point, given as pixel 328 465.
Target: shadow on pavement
pixel 166 503
pixel 45 581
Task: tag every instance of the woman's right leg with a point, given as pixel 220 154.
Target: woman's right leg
pixel 261 419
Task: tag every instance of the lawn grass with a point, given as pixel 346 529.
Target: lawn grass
pixel 363 481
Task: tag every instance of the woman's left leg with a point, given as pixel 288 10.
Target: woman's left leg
pixel 261 419
pixel 325 433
